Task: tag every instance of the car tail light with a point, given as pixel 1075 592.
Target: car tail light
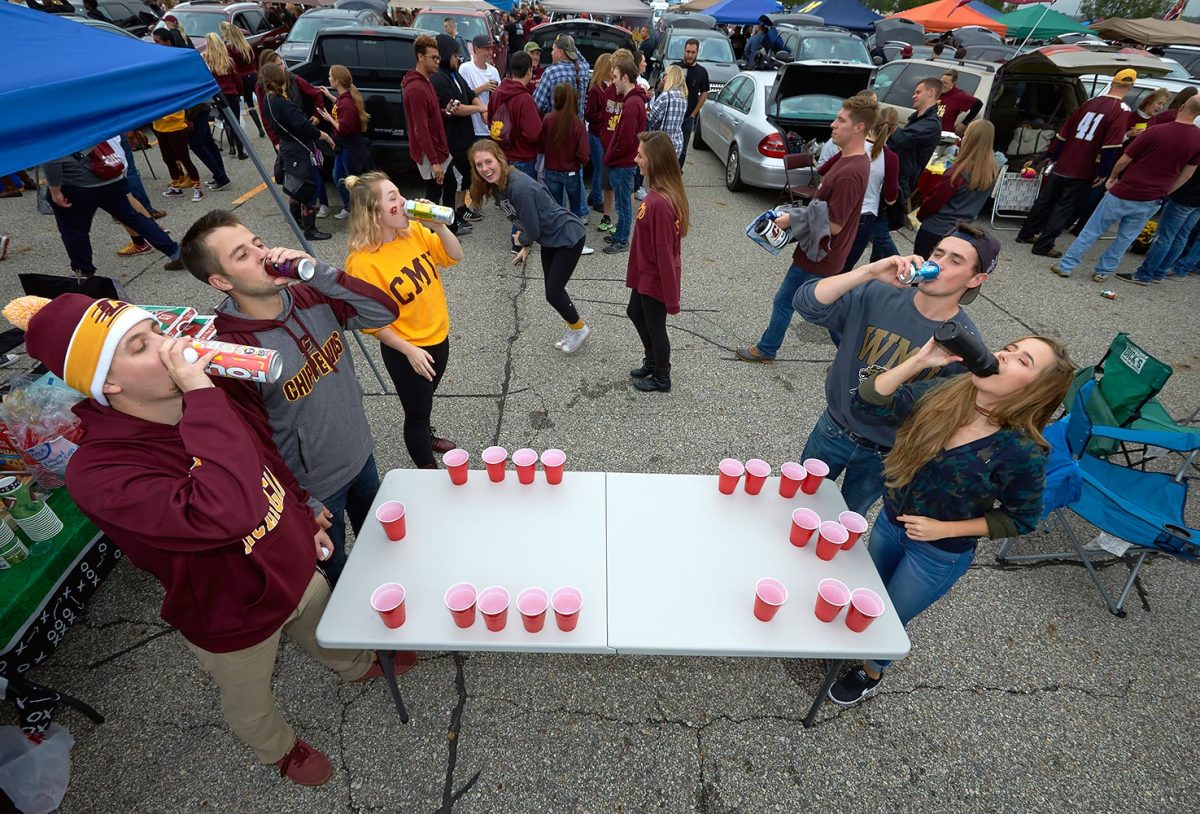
pixel 772 146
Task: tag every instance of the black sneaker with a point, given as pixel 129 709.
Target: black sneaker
pixel 1131 277
pixel 472 215
pixel 616 248
pixel 852 687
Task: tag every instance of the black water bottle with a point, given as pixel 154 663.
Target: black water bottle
pixel 963 342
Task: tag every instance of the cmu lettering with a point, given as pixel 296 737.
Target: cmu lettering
pixel 273 490
pixel 417 275
pixel 317 364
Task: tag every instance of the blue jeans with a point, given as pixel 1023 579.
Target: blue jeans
pixel 863 484
pixel 341 168
pixel 1189 261
pixel 133 177
pixel 201 143
pixel 621 179
pixel 596 195
pixel 1130 217
pixel 1170 239
pixel 882 244
pixel 322 197
pixel 75 222
pixel 688 123
pixel 570 186
pixel 354 499
pixel 916 574
pixel 782 310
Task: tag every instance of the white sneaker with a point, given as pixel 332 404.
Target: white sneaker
pixel 641 193
pixel 573 339
pixel 345 213
pixel 587 250
pixel 323 212
pixel 197 194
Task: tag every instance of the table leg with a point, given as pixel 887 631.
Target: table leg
pixel 388 665
pixel 835 667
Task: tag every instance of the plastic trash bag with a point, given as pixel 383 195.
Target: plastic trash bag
pixel 35 775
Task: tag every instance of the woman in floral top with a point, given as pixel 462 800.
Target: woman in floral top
pixel 969 461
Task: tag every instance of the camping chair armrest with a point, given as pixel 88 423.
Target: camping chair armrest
pixel 1177 441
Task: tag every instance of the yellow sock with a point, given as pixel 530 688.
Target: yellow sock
pixel 575 326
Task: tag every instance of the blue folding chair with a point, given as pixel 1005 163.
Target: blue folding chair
pixel 1142 508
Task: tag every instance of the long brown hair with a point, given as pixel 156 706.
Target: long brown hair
pixel 216 56
pixel 601 71
pixel 341 75
pixel 481 189
pixel 566 113
pixel 948 406
pixel 886 123
pixel 366 232
pixel 274 79
pixel 237 41
pixel 664 176
pixel 265 56
pixel 976 156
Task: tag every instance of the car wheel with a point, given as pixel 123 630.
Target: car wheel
pixel 733 170
pixel 697 139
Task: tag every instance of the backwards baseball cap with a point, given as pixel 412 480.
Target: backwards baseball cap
pixel 566 43
pixel 1126 76
pixel 532 46
pixel 482 41
pixel 986 246
pixel 170 18
pixel 77 337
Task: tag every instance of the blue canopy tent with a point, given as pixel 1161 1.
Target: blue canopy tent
pixel 848 14
pixel 985 9
pixel 741 12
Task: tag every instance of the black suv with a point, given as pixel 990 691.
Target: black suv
pixel 715 54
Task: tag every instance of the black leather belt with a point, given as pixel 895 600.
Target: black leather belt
pixel 865 443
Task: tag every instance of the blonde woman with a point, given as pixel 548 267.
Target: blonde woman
pixel 962 190
pixel 593 114
pixel 669 107
pixel 246 67
pixel 969 461
pixel 220 64
pixel 406 259
pixel 353 153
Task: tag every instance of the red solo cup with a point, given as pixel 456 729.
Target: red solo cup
pixel 388 602
pixel 494 458
pixel 856 526
pixel 804 523
pixel 456 464
pixel 757 471
pixel 865 607
pixel 769 596
pixel 552 465
pixel 566 603
pixel 525 460
pixel 460 601
pixel 493 604
pixel 790 477
pixel 391 515
pixel 728 473
pixel 532 604
pixel 831 539
pixel 817 470
pixel 832 596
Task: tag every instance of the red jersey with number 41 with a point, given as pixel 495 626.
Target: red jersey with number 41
pixel 1095 125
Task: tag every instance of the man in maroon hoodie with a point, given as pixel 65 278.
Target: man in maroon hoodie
pixel 423 115
pixel 175 476
pixel 620 152
pixel 516 123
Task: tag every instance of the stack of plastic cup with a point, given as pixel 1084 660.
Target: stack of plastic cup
pixel 817 470
pixel 552 465
pixel 791 475
pixel 532 604
pixel 388 602
pixel 757 472
pixel 769 596
pixel 856 526
pixel 456 464
pixel 43 524
pixel 728 473
pixel 392 516
pixel 525 461
pixel 830 540
pixel 832 596
pixel 493 604
pixel 566 602
pixel 12 551
pixel 865 607
pixel 460 601
pixel 493 459
pixel 804 523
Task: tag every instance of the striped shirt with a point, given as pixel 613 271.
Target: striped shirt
pixel 578 74
pixel 667 111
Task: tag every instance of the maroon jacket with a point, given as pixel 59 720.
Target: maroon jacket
pixel 621 148
pixel 569 153
pixel 229 83
pixel 423 115
pixel 654 265
pixel 348 123
pixel 526 139
pixel 593 108
pixel 207 507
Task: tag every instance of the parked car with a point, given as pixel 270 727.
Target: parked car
pixel 894 30
pixel 715 54
pixel 761 116
pixel 1186 55
pixel 1096 84
pixel 970 35
pixel 992 52
pixel 299 40
pixel 591 38
pixel 99 25
pixel 378 58
pixel 198 18
pixel 1037 90
pixel 808 43
pixel 470 24
pixel 133 16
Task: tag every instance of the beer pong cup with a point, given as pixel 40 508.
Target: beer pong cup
pixel 804 523
pixel 817 470
pixel 757 471
pixel 728 473
pixel 391 515
pixel 493 604
pixel 552 464
pixel 460 601
pixel 856 526
pixel 456 464
pixel 832 596
pixel 494 458
pixel 830 540
pixel 791 475
pixel 525 460
pixel 532 604
pixel 566 602
pixel 769 596
pixel 388 602
pixel 865 607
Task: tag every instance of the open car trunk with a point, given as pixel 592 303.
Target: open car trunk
pixel 591 38
pixel 807 96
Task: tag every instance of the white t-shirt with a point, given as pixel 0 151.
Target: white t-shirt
pixel 475 77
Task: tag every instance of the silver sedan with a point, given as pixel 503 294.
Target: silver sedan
pixel 734 126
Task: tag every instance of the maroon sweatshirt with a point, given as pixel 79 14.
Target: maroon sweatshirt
pixel 348 123
pixel 621 147
pixel 593 108
pixel 207 507
pixel 569 153
pixel 423 114
pixel 654 266
pixel 525 141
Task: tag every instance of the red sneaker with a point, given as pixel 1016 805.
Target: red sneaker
pixel 305 765
pixel 404 661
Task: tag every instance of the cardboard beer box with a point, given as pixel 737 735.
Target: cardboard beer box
pixel 172 318
pixel 201 327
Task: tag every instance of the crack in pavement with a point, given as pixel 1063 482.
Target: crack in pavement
pixel 502 402
pixel 135 646
pixel 341 737
pixel 450 797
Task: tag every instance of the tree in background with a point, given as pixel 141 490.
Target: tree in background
pixel 1128 9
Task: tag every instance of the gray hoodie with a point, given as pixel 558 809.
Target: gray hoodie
pixel 315 409
pixel 539 217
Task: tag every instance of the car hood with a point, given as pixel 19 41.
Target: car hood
pixel 1071 60
pixel 544 34
pixel 899 30
pixel 842 79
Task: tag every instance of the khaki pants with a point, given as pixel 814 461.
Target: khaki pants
pixel 244 676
